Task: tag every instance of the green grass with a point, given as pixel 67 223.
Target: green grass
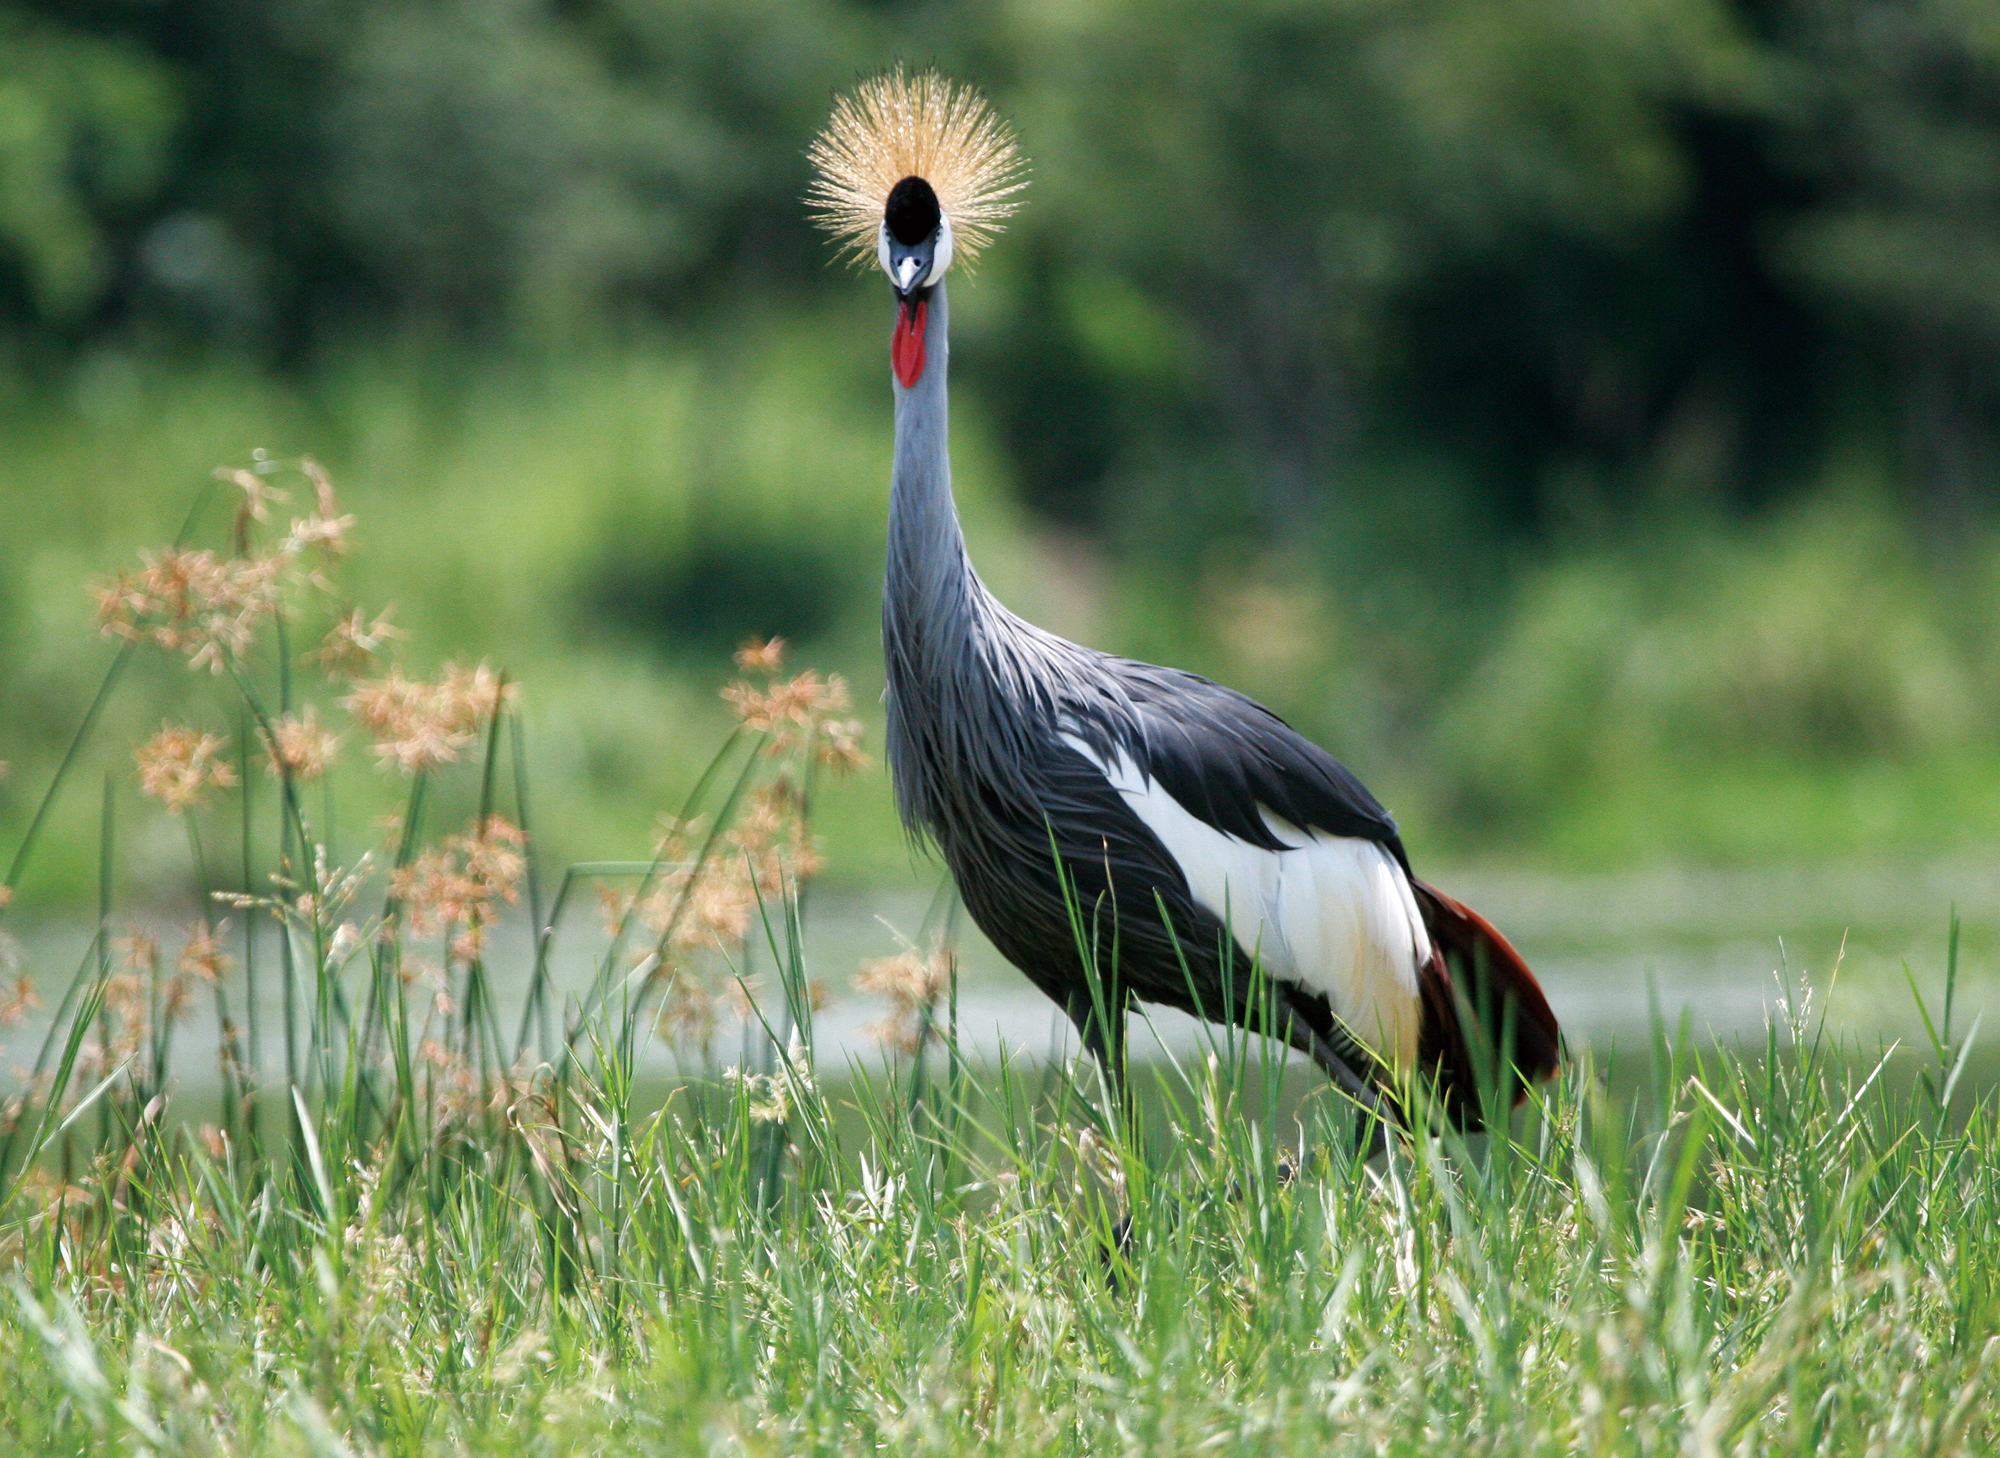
pixel 1768 1253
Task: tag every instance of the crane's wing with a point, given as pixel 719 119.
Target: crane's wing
pixel 1226 759
pixel 1279 840
pixel 1276 841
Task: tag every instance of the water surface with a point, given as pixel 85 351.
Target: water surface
pixel 1721 949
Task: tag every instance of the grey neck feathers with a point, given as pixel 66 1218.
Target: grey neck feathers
pixel 973 692
pixel 930 590
pixel 931 600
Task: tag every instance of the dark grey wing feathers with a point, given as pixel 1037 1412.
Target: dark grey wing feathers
pixel 1222 756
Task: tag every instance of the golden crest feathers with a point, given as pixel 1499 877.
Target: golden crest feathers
pixel 894 126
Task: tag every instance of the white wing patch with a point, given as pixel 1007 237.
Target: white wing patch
pixel 1333 913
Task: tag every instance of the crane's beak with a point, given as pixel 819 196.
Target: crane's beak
pixel 910 265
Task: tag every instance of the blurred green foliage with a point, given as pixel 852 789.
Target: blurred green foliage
pixel 1573 413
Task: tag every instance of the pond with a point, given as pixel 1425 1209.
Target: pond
pixel 1718 948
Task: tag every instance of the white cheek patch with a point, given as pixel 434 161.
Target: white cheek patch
pixel 1332 913
pixel 941 257
pixel 882 249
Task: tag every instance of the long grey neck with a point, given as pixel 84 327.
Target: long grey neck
pixel 930 594
pixel 971 686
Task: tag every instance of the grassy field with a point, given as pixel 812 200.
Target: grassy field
pixel 1786 1252
pixel 451 1225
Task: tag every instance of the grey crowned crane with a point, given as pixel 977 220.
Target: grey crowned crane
pixel 1191 827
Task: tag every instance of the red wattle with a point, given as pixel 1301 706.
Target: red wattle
pixel 906 348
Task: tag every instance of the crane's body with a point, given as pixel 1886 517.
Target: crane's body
pixel 1120 830
pixel 1196 833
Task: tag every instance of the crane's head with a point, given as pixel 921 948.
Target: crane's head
pixel 917 173
pixel 915 243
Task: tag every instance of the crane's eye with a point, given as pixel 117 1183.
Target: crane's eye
pixel 912 213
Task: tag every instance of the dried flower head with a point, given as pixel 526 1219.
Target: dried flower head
pixel 202 955
pixel 419 725
pixel 839 745
pixel 461 884
pixel 324 527
pixel 175 996
pixel 21 999
pixel 770 839
pixel 297 744
pixel 894 126
pixel 761 655
pixel 614 905
pixel 179 766
pixel 352 645
pixel 907 978
pixel 913 984
pixel 706 895
pixel 127 1004
pixel 322 485
pixel 138 951
pixel 258 494
pixel 196 603
pixel 795 712
pixel 687 1013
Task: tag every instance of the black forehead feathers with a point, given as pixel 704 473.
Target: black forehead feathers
pixel 912 212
